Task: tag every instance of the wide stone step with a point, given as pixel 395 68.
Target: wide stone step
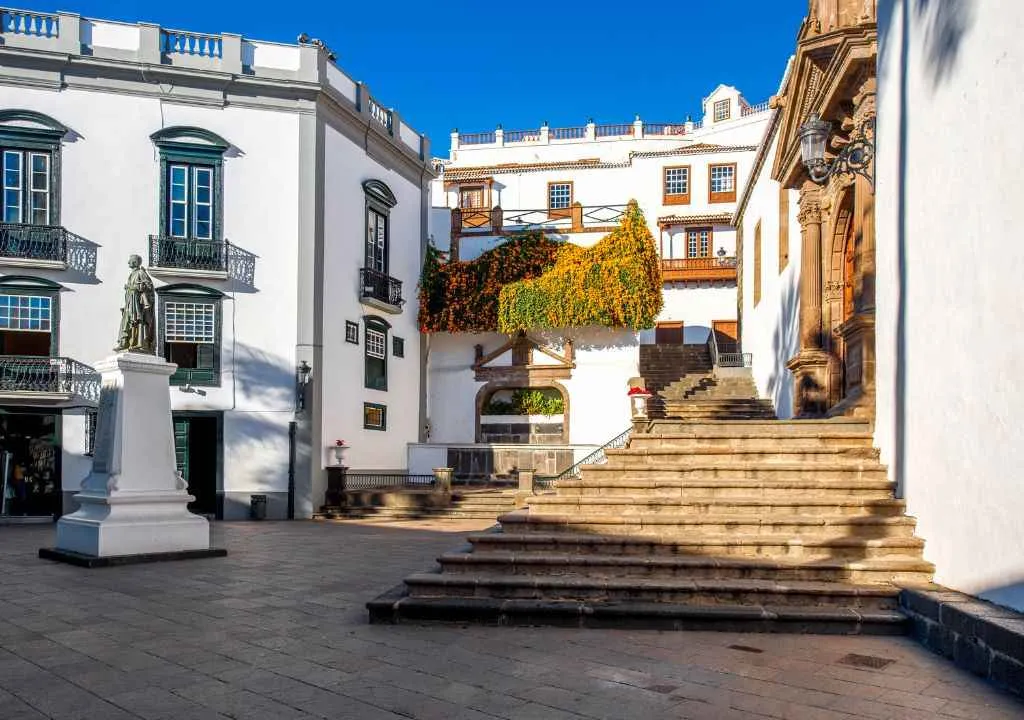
pixel 901 570
pixel 694 525
pixel 673 590
pixel 700 468
pixel 764 428
pixel 723 545
pixel 397 606
pixel 749 452
pixel 797 503
pixel 700 489
pixel 789 441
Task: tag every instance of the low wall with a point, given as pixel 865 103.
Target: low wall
pixel 490 460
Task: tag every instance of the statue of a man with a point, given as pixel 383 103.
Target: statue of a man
pixel 137 331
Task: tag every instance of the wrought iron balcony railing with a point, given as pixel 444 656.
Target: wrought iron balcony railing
pixel 497 220
pixel 171 252
pixel 380 286
pixel 53 375
pixel 33 242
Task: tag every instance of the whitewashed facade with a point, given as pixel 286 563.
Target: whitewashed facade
pixel 574 183
pixel 245 174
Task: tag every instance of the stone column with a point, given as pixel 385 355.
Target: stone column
pixel 810 366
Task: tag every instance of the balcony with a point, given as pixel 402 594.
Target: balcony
pixel 702 268
pixel 574 219
pixel 188 258
pixel 58 381
pixel 41 246
pixel 380 290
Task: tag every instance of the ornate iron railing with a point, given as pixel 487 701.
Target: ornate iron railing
pixel 25 373
pixel 170 252
pixel 33 242
pixel 183 42
pixel 25 22
pixel 595 458
pixel 380 286
pixel 735 359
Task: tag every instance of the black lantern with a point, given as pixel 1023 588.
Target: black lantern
pixel 856 158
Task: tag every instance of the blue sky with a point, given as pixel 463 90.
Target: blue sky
pixel 473 65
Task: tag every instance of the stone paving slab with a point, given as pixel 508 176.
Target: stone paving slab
pixel 278 629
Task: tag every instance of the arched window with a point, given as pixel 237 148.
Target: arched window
pixel 190 333
pixel 379 201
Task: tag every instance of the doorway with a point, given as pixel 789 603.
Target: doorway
pixel 198 441
pixel 726 335
pixel 30 483
pixel 668 333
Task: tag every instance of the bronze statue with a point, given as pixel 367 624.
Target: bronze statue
pixel 138 322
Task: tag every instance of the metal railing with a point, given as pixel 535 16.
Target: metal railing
pixel 183 42
pixel 380 286
pixel 483 138
pixel 567 133
pixel 595 458
pixel 574 218
pixel 755 109
pixel 33 242
pixel 514 136
pixel 619 130
pixel 170 252
pixel 713 347
pixel 664 129
pixel 374 481
pixel 26 373
pixel 729 357
pixel 25 22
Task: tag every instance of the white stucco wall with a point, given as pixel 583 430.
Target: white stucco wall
pixel 770 329
pixel 698 305
pixel 598 407
pixel 347 166
pixel 949 267
pixel 109 196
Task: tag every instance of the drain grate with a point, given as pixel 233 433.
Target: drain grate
pixel 865 661
pixel 746 648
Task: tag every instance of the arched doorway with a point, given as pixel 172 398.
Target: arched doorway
pixel 512 413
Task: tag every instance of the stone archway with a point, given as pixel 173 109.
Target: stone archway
pixel 485 393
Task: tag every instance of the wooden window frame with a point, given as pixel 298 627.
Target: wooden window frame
pixel 711 241
pixel 555 213
pixel 189 293
pixel 757 263
pixel 376 324
pixel 728 110
pixel 723 197
pixel 351 332
pixel 383 416
pixel 677 198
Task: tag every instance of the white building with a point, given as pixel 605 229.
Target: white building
pixel 573 184
pixel 895 302
pixel 281 212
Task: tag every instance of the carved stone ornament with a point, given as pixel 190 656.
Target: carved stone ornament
pixel 834 290
pixel 810 209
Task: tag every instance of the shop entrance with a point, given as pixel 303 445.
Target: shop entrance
pixel 197 442
pixel 30 464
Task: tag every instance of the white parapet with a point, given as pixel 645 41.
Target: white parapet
pixel 134 502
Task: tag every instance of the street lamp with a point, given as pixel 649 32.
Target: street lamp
pixel 856 158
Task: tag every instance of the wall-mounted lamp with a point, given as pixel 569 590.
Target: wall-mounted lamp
pixel 301 380
pixel 856 158
pixel 721 256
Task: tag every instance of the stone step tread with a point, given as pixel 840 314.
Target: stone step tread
pixel 780 433
pixel 891 563
pixel 832 521
pixel 394 607
pixel 627 501
pixel 747 448
pixel 710 540
pixel 557 582
pixel 686 483
pixel 745 465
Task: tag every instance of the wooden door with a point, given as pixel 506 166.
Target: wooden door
pixel 668 333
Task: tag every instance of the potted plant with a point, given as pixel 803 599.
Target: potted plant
pixel 339 449
pixel 638 397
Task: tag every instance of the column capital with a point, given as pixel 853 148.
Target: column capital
pixel 810 205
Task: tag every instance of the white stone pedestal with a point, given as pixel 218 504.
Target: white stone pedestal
pixel 134 503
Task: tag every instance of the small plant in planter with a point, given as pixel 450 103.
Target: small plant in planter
pixel 638 397
pixel 339 449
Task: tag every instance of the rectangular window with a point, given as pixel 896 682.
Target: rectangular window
pixel 559 200
pixel 722 180
pixel 398 347
pixel 28 313
pixel 12 186
pixel 375 417
pixel 471 197
pixel 27 187
pixel 676 187
pixel 375 349
pixel 190 340
pixel 351 332
pixel 39 213
pixel 757 263
pixel 190 201
pixel 723 110
pixel 698 242
pixel 376 240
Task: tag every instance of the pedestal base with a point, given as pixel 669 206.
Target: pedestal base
pixel 810 389
pixel 91 561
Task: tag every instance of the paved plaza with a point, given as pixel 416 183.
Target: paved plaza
pixel 278 630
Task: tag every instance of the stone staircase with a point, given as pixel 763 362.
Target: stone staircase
pixel 685 385
pixel 743 525
pixel 486 503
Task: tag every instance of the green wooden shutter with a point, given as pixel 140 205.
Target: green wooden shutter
pixel 181 447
